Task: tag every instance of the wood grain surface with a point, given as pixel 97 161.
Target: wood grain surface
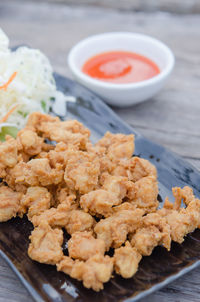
pixel 172 6
pixel 171 118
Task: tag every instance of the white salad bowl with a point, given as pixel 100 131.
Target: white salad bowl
pixel 122 95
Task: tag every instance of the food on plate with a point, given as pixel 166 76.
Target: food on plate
pixel 45 246
pixel 26 85
pixel 9 203
pixel 35 201
pixel 153 231
pixel 93 272
pixel 126 260
pixel 105 198
pixel 82 245
pixel 114 229
pixel 181 220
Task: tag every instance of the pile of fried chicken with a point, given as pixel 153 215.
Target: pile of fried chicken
pixel 102 195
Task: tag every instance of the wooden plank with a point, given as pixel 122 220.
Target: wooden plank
pixel 171 118
pixel 11 288
pixel 183 143
pixel 183 290
pixel 172 6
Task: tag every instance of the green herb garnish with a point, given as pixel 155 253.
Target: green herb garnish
pixel 8 130
pixel 44 106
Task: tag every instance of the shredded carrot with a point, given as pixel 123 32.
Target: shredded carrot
pixel 5 86
pixel 4 119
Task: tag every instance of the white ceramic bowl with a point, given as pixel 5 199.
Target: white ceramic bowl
pixel 122 94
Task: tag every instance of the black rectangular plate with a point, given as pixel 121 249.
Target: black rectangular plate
pixel 44 282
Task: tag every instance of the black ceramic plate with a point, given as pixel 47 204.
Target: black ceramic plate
pixel 162 267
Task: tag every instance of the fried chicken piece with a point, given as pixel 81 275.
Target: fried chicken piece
pixel 79 221
pixel 153 231
pixel 126 260
pixel 82 246
pixel 36 200
pixel 183 221
pixel 96 149
pixel 41 170
pixel 59 133
pixel 106 165
pixel 69 132
pixel 55 217
pixel 114 230
pixel 118 146
pixel 143 193
pixel 42 154
pixel 64 194
pixel 61 193
pixel 99 202
pixel 193 209
pixel 36 119
pixel 59 154
pixel 13 173
pixel 76 127
pixel 9 203
pixel 45 245
pixel 146 239
pixel 66 265
pixel 29 142
pixel 8 154
pixel 82 171
pixel 186 195
pixel 37 172
pixel 22 156
pixel 94 272
pixel 135 168
pixel 117 185
pixel 10 180
pixel 65 216
pixel 124 206
pixel 181 224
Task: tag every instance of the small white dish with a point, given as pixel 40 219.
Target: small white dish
pixel 122 95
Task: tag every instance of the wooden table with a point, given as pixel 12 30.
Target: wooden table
pixel 171 118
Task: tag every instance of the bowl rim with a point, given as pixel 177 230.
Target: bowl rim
pixel 120 86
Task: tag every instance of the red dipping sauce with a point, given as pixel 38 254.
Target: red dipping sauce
pixel 120 67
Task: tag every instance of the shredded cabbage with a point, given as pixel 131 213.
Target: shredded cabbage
pixel 32 88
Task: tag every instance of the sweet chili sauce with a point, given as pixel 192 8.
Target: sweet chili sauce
pixel 120 67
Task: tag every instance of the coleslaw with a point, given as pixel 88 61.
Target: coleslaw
pixel 31 88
